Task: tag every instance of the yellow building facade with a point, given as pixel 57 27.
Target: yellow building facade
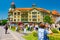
pixel 32 14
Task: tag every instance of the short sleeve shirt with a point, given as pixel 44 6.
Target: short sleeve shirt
pixel 41 34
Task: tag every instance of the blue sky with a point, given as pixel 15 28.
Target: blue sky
pixel 46 4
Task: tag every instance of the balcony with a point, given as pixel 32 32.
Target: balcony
pixel 24 20
pixel 34 17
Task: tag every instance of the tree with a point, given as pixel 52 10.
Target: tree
pixel 0 23
pixel 4 22
pixel 47 19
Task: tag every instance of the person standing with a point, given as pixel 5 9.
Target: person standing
pixel 47 30
pixel 42 32
pixel 6 28
pixel 36 27
pixel 25 28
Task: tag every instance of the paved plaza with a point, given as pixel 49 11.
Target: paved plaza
pixel 10 35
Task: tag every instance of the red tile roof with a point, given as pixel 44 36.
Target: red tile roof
pixel 54 12
pixel 40 9
pixel 23 8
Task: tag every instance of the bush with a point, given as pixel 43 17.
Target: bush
pixel 54 36
pixel 54 30
pixel 13 28
pixel 18 29
pixel 35 34
pixel 31 36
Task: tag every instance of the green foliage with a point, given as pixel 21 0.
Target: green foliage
pixel 31 36
pixel 3 22
pixel 0 23
pixel 35 34
pixel 55 36
pixel 13 28
pixel 18 29
pixel 48 19
pixel 54 30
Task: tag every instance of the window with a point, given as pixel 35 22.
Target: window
pixel 39 16
pixel 38 12
pixel 14 19
pixel 26 16
pixel 14 13
pixel 14 16
pixel 29 16
pixel 22 19
pixel 26 19
pixel 18 13
pixel 34 19
pixel 11 14
pixel 18 16
pixel 18 19
pixel 29 19
pixel 29 13
pixel 34 16
pixel 44 14
pixel 34 12
pixel 38 19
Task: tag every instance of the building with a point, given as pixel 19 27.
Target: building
pixel 33 14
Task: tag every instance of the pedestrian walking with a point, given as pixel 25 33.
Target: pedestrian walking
pixel 6 29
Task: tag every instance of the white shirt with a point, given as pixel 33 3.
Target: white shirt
pixel 41 33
